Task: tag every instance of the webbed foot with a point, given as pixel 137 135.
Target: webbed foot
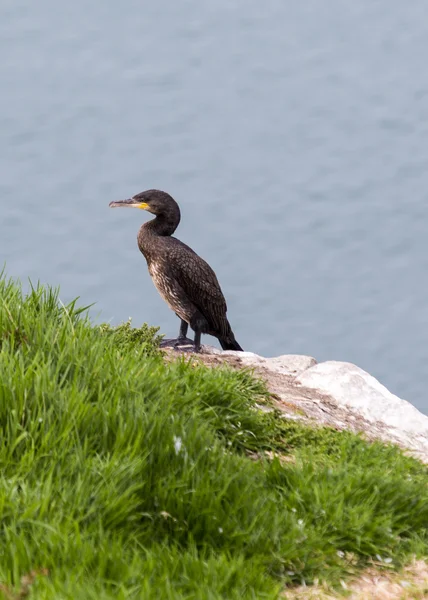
pixel 182 344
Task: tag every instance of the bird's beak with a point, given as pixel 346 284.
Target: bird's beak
pixel 130 203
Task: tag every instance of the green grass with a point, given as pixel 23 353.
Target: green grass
pixel 128 477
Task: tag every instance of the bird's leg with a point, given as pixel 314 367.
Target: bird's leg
pixel 182 339
pixel 197 341
pixel 183 330
pixel 199 324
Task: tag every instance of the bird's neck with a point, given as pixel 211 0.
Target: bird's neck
pixel 162 225
pixel 153 231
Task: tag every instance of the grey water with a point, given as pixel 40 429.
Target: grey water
pixel 294 136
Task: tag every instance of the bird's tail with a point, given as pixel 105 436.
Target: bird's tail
pixel 230 344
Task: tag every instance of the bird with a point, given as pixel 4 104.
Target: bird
pixel 184 280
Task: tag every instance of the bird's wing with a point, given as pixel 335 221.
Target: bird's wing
pixel 200 284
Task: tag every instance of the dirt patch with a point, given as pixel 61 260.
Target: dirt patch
pixel 409 584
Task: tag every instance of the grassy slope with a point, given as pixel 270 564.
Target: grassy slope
pixel 129 478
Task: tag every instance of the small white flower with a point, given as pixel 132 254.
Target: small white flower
pixel 40 420
pixel 177 444
pixel 220 529
pixel 340 553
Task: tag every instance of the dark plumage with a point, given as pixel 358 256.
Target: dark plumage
pixel 184 280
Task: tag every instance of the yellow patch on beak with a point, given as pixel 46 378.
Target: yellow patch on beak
pixel 143 205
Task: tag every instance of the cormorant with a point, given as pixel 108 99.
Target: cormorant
pixel 184 280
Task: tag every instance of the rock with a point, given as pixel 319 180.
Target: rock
pixel 206 349
pixel 290 364
pixel 350 387
pixel 287 364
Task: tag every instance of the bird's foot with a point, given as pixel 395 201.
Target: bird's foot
pixel 182 344
pixel 184 341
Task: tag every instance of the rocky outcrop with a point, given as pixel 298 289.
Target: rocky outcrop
pixel 333 393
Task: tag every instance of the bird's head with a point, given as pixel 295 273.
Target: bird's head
pixel 154 201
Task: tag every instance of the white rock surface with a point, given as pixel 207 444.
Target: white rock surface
pixel 290 364
pixel 353 388
pixel 287 364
